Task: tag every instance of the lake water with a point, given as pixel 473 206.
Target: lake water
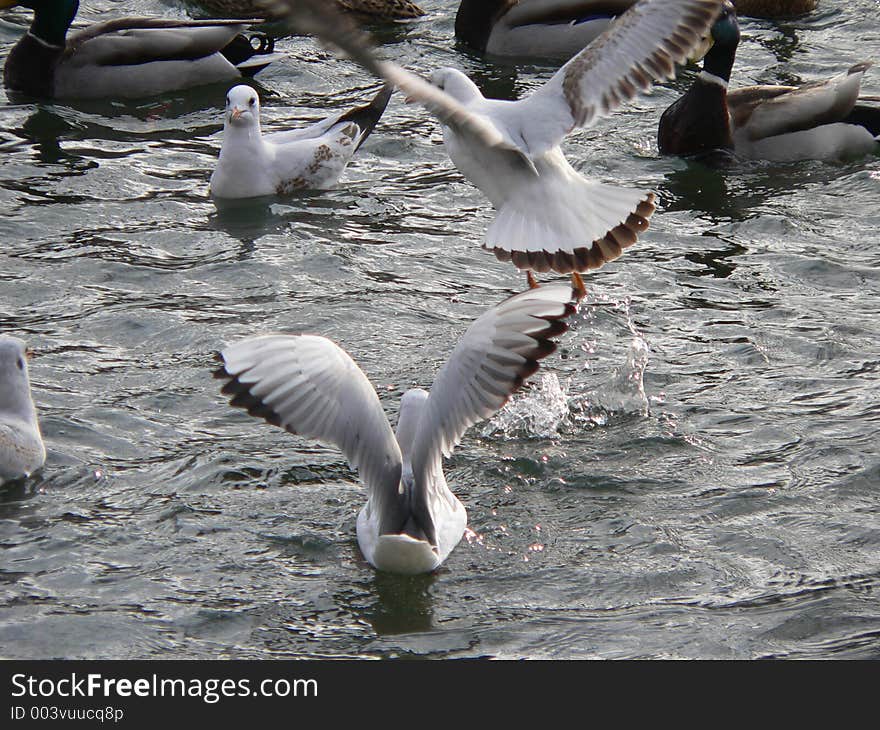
pixel 694 473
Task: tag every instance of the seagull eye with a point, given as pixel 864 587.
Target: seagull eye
pixel 252 101
pixel 20 364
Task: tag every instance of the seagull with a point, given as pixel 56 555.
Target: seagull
pixel 310 386
pixel 549 216
pixel 126 58
pixel 21 445
pixel 252 164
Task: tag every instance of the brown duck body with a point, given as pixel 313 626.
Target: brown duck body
pixel 774 8
pixel 380 9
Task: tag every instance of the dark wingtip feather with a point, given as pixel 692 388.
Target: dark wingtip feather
pixel 368 116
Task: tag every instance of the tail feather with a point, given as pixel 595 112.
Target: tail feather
pixel 866 115
pixel 250 54
pixel 576 227
pixel 367 116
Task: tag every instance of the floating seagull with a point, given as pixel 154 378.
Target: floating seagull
pixel 21 445
pixel 547 29
pixel 818 120
pixel 548 215
pixel 309 386
pixel 381 9
pixel 252 164
pixel 126 57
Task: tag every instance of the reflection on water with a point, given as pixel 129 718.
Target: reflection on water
pixel 404 604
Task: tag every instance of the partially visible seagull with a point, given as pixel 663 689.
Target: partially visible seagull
pixel 309 386
pixel 548 215
pixel 21 445
pixel 252 164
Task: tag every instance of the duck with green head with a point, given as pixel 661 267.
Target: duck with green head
pixel 124 57
pixel 817 120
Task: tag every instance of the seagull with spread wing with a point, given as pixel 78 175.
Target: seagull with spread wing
pixel 549 216
pixel 308 385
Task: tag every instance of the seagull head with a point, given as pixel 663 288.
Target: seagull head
pixel 456 84
pixel 242 106
pixel 412 404
pixel 14 383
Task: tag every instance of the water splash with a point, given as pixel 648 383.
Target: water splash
pixel 549 405
pixel 538 412
pixel 622 393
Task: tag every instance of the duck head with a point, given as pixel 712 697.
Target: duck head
pixel 725 39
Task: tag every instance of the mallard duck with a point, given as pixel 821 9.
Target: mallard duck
pixel 21 445
pixel 547 29
pixel 310 386
pixel 125 57
pixel 818 120
pixel 549 216
pixel 380 9
pixel 252 164
pixel 774 8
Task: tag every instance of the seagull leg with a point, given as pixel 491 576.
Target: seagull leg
pixel 577 285
pixel 530 278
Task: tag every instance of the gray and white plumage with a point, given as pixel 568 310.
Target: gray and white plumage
pixel 127 57
pixel 818 120
pixel 548 215
pixel 21 444
pixel 308 385
pixel 541 29
pixel 252 164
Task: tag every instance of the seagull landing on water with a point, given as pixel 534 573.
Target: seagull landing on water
pixel 549 216
pixel 252 164
pixel 21 444
pixel 309 386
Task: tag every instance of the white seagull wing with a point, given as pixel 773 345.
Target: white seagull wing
pixel 491 360
pixel 319 18
pixel 308 385
pixel 641 46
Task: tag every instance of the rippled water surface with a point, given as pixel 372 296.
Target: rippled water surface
pixel 694 473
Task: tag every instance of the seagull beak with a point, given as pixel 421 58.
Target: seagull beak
pixel 236 111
